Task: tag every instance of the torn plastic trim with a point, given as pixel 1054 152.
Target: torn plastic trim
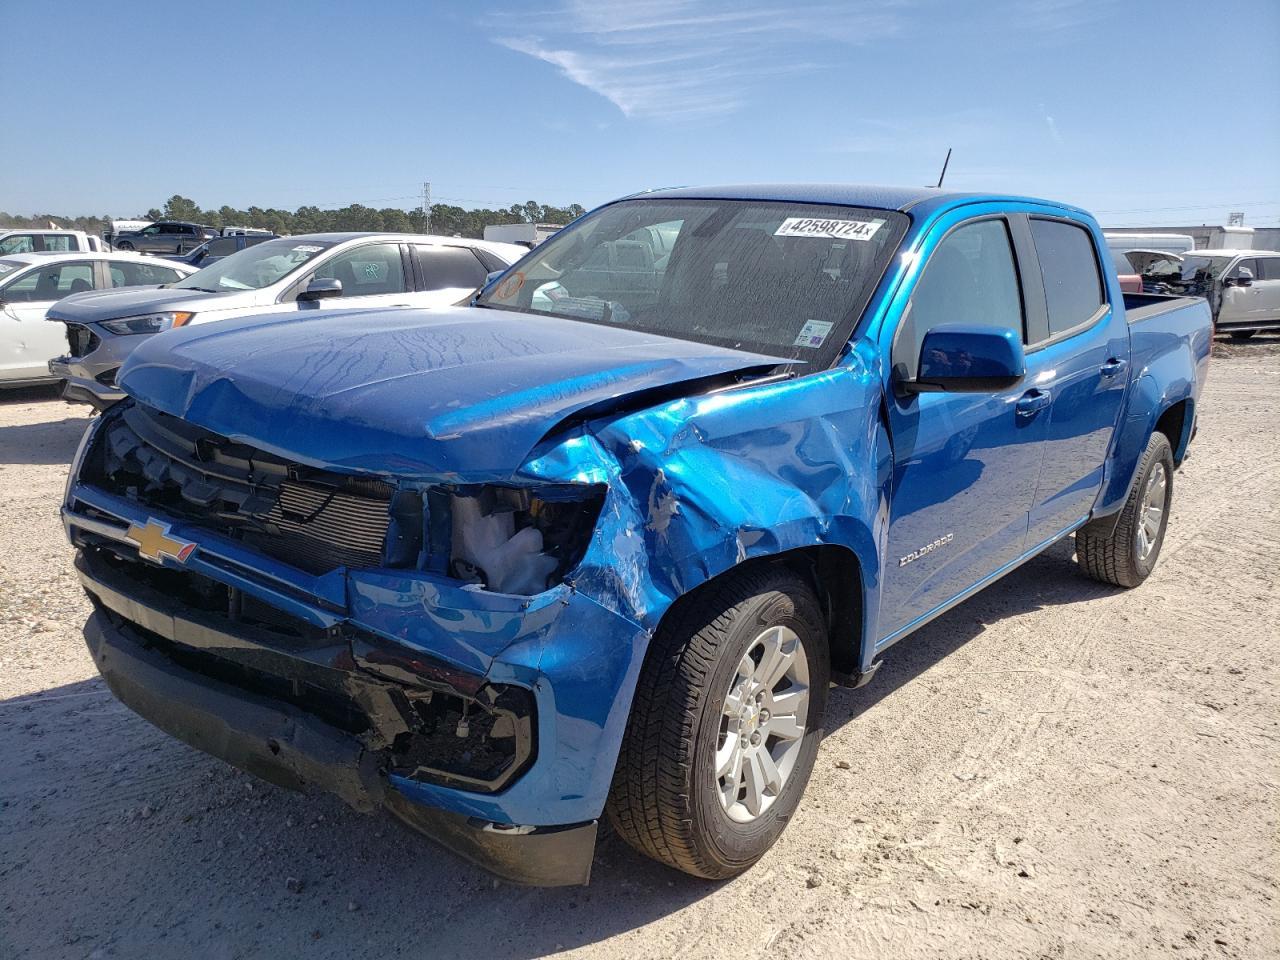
pixel 427 721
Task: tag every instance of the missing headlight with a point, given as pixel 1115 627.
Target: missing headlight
pixel 518 540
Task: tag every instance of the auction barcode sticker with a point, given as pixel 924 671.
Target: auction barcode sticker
pixel 830 229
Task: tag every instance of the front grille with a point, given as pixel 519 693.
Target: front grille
pixel 81 340
pixel 318 528
pixel 308 518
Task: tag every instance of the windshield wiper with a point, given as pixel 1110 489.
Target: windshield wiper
pixel 201 289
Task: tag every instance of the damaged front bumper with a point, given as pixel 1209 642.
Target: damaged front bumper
pixel 292 749
pixel 329 703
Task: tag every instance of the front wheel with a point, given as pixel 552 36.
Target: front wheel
pixel 124 245
pixel 1127 553
pixel 725 725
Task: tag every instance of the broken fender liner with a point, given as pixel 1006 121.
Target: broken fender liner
pixel 284 746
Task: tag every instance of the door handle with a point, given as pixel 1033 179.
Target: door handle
pixel 1032 402
pixel 1113 366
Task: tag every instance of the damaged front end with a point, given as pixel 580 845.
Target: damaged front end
pixel 398 628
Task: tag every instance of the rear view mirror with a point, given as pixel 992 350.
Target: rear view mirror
pixel 960 358
pixel 321 289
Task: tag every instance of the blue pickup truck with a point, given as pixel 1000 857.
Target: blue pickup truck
pixel 599 543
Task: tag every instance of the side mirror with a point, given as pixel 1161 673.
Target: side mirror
pixel 321 289
pixel 964 358
pixel 1238 282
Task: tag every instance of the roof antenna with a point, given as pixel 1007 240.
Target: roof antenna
pixel 944 169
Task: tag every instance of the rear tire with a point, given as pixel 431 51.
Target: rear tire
pixel 1127 554
pixel 702 706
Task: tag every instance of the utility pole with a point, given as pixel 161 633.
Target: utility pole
pixel 426 205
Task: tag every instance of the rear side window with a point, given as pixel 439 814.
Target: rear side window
pixel 222 247
pixel 1072 283
pixel 126 274
pixel 970 278
pixel 1270 268
pixel 444 268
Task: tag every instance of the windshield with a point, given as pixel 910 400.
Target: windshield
pixel 785 279
pixel 1201 269
pixel 9 267
pixel 254 267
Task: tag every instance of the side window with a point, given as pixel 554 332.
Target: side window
pixel 970 278
pixel 1245 268
pixel 60 242
pixel 51 283
pixel 366 271
pixel 150 231
pixel 222 247
pixel 1270 267
pixel 1072 283
pixel 126 274
pixel 444 268
pixel 17 243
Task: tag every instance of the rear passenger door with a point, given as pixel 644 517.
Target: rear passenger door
pixel 446 274
pixel 1268 283
pixel 1082 352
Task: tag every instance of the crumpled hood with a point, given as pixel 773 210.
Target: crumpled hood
pixel 94 306
pixel 465 392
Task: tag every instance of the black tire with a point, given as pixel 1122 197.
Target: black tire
pixel 1115 556
pixel 1242 334
pixel 665 800
pixel 124 245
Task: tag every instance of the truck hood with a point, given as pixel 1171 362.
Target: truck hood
pixel 460 392
pixel 94 306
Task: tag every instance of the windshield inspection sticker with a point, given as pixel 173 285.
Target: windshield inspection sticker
pixel 5 267
pixel 307 248
pixel 813 333
pixel 828 229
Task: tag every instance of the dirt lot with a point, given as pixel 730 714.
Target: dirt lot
pixel 1054 769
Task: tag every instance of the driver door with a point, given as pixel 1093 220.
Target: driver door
pixel 965 464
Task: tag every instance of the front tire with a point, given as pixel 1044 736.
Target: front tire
pixel 124 245
pixel 725 725
pixel 1127 554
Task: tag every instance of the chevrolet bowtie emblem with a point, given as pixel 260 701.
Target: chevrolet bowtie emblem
pixel 154 542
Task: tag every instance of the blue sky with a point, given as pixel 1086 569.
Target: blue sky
pixel 1144 113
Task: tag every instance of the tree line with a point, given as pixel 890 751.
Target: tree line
pixel 439 219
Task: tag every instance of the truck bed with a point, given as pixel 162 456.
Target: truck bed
pixel 1143 306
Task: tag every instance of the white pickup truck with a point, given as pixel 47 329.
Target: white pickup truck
pixel 24 240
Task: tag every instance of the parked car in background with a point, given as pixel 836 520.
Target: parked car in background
pixel 597 544
pixel 285 274
pixel 165 237
pixel 1167 242
pixel 1242 287
pixel 22 240
pixel 30 283
pixel 214 250
pixel 1129 277
pixel 526 234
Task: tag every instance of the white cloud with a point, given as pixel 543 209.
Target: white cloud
pixel 680 59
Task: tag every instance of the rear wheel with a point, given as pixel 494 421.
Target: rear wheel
pixel 1127 553
pixel 725 726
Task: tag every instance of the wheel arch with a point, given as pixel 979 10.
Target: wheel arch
pixel 835 574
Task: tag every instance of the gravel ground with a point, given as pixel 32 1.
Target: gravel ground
pixel 1054 769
